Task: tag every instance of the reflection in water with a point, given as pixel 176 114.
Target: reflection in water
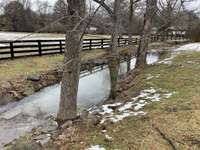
pixel 20 117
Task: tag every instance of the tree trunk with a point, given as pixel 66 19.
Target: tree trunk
pixel 71 70
pixel 130 23
pixel 128 63
pixel 151 7
pixel 114 59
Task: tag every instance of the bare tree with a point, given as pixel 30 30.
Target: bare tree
pixel 70 80
pixel 151 9
pixel 114 56
pixel 130 20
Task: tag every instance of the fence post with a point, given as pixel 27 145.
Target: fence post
pixel 39 48
pixel 136 41
pixel 90 48
pixel 102 46
pixel 11 50
pixel 60 43
pixel 118 42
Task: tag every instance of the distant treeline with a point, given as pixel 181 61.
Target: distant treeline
pixel 18 16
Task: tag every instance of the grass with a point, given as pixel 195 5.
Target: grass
pixel 20 68
pixel 177 118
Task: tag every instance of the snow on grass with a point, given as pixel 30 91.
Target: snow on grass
pixel 168 61
pixel 125 114
pixel 149 77
pixel 118 111
pixel 108 137
pixel 96 147
pixel 189 47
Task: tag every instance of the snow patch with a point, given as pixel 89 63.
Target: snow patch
pixel 108 137
pixel 125 114
pixel 149 77
pixel 168 61
pixel 117 112
pixel 175 52
pixel 106 109
pixel 96 147
pixel 189 47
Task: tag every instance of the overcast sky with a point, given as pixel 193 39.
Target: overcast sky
pixel 192 5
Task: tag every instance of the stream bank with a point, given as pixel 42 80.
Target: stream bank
pixel 16 89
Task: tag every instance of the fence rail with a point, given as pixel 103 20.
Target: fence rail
pixel 27 48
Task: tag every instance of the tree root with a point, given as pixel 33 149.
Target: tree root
pixel 164 137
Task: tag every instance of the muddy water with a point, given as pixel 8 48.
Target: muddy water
pixel 20 117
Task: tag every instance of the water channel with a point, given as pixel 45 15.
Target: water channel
pixel 17 118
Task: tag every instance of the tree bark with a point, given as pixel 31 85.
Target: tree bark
pixel 130 23
pixel 128 63
pixel 114 59
pixel 151 7
pixel 71 70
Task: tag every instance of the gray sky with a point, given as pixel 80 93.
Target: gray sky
pixel 192 5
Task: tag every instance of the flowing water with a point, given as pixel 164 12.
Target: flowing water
pixel 20 117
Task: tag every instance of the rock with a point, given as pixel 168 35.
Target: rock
pixel 34 78
pixel 43 139
pixel 28 91
pixel 42 136
pixel 48 129
pixel 14 94
pixel 67 124
pixel 5 85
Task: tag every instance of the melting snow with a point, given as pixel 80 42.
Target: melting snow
pixel 97 147
pixel 167 61
pixel 108 137
pixel 149 77
pixel 125 114
pixel 189 47
pixel 118 111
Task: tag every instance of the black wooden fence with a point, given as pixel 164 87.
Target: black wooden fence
pixel 25 48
